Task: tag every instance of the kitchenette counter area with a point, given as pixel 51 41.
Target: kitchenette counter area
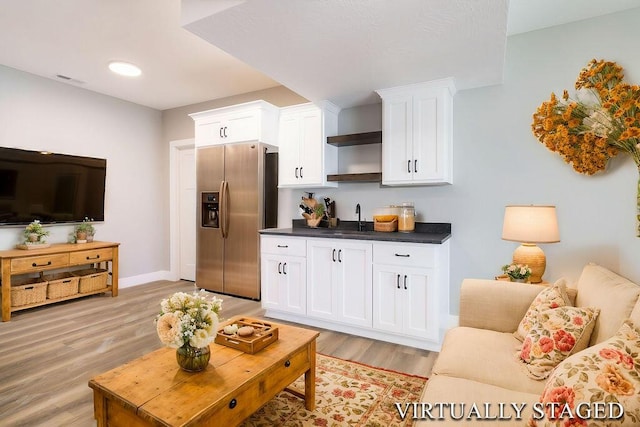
pixel 390 286
pixel 425 232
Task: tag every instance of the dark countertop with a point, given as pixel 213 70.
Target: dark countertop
pixel 425 232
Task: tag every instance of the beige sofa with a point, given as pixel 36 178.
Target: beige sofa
pixel 477 363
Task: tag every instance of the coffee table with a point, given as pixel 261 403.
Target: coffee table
pixel 153 390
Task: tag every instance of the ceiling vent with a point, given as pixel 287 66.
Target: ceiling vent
pixel 69 79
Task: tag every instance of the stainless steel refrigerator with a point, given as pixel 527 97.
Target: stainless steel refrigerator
pixel 238 195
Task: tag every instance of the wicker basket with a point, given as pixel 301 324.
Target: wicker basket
pixel 61 285
pixel 28 291
pixel 385 226
pixel 91 279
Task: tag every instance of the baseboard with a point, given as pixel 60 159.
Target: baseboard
pixel 127 282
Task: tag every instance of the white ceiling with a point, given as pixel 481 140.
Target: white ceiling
pixel 322 49
pixel 344 50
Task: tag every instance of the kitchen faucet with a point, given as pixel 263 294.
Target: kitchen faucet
pixel 360 223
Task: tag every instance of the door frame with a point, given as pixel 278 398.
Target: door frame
pixel 174 216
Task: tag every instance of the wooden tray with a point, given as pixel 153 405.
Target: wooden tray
pixel 265 334
pixel 29 246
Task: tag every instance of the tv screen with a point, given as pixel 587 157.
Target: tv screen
pixel 53 188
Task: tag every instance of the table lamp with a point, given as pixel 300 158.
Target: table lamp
pixel 530 225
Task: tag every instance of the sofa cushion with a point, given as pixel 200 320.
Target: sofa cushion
pixel 606 372
pixel 460 391
pixel 554 336
pixel 551 297
pixel 613 294
pixel 484 356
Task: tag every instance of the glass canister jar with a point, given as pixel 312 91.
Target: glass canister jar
pixel 406 217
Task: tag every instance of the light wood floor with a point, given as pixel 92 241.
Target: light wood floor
pixel 48 354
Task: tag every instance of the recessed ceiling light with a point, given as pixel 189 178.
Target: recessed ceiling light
pixel 125 68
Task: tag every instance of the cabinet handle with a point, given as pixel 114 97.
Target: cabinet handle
pixel 220 133
pixel 339 255
pixel 41 265
pixel 297 173
pixel 333 255
pixel 403 255
pixel 225 132
pixel 300 172
pixel 408 166
pixel 415 166
pixel 279 268
pixel 233 403
pixel 283 246
pixel 284 268
pixel 94 257
pixel 405 281
pixel 287 363
pixel 398 280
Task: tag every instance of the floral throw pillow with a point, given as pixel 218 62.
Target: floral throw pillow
pixel 552 297
pixel 596 387
pixel 555 335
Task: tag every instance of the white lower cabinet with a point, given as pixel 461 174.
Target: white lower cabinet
pixel 283 283
pixel 390 291
pixel 339 281
pixel 283 276
pixel 403 301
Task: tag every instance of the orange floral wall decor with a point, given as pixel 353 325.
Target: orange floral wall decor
pixel 602 120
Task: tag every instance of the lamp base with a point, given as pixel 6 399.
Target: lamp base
pixel 533 256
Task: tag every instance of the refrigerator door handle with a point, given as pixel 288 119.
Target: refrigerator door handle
pixel 224 209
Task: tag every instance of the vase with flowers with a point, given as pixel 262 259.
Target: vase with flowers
pixel 602 121
pixel 188 323
pixel 517 272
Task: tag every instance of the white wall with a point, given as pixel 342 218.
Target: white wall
pixel 498 161
pixel 40 114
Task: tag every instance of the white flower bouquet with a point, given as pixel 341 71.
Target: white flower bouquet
pixel 517 271
pixel 188 319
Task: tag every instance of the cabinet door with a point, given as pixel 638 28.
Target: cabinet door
pixel 270 276
pixel 428 154
pixel 420 306
pixel 242 126
pixel 354 284
pixel 293 289
pixel 288 151
pixel 209 131
pixel 387 299
pixel 283 283
pixel 397 136
pixel 311 147
pixel 322 299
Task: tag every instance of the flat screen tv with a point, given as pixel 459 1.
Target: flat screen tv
pixel 53 188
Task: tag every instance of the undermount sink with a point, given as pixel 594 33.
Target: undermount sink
pixel 340 232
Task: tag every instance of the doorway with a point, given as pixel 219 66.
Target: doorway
pixel 183 209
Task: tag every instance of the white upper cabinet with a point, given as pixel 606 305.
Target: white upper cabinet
pixel 304 157
pixel 251 121
pixel 417 125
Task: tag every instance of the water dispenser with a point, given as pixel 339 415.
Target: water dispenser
pixel 210 209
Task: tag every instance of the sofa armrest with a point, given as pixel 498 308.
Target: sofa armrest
pixel 495 305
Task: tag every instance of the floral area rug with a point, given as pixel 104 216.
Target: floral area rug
pixel 347 394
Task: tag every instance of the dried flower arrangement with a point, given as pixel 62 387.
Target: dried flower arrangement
pixel 602 120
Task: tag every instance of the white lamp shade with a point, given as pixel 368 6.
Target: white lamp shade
pixel 530 224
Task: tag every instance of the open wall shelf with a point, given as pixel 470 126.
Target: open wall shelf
pixel 355 139
pixel 363 138
pixel 356 177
